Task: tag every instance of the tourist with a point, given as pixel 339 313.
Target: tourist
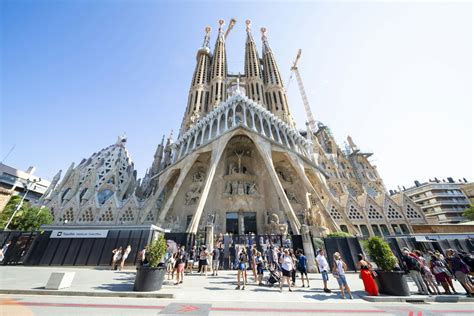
pixel 339 272
pixel 253 263
pixel 426 274
pixel 260 267
pixel 215 261
pixel 287 265
pixel 170 262
pixel 367 275
pixel 125 256
pixel 442 274
pixel 190 259
pixel 142 256
pixel 221 257
pixel 323 269
pixel 180 262
pixel 293 272
pixel 4 250
pixel 232 256
pixel 460 270
pixel 203 256
pixel 117 256
pixel 242 269
pixel 269 256
pixel 413 267
pixel 302 266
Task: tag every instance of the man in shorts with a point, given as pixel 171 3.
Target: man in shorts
pixel 323 268
pixel 302 265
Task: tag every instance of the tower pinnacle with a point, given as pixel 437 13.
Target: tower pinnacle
pixel 253 69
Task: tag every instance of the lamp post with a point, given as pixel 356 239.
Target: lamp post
pixel 18 206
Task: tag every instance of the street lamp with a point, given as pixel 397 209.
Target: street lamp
pixel 18 206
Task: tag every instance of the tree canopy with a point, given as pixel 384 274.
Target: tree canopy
pixel 469 213
pixel 27 218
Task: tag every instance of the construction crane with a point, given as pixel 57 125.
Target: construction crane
pixel 309 115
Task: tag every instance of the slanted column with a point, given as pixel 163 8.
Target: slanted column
pixel 253 120
pixel 202 136
pixel 277 129
pixel 226 124
pixel 270 129
pixel 261 124
pixel 195 139
pixel 286 138
pixel 211 125
pixel 218 132
pixel 233 116
pixel 244 114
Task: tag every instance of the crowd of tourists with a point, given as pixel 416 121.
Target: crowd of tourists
pixel 279 267
pixel 119 256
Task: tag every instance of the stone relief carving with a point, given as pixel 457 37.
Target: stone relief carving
pixel 292 197
pixel 240 187
pixel 274 226
pixel 192 196
pixel 284 175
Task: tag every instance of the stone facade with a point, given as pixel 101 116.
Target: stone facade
pixel 238 164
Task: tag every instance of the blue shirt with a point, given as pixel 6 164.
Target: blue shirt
pixel 302 261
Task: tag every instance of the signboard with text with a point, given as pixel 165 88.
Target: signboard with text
pixel 80 233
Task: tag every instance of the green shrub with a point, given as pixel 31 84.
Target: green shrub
pixel 156 251
pixel 380 252
pixel 339 234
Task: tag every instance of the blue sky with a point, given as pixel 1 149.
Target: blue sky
pixel 397 77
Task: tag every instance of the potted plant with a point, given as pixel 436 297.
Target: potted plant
pixel 150 276
pixel 389 282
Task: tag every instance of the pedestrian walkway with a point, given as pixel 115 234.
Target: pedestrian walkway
pixel 195 287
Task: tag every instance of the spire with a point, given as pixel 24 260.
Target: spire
pixel 155 168
pixel 218 78
pixel 253 70
pixel 275 95
pixel 198 92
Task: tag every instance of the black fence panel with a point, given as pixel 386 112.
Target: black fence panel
pixel 38 248
pixel 50 251
pixel 84 252
pixel 96 252
pixel 134 242
pixel 347 247
pixel 72 252
pixel 297 242
pixel 61 251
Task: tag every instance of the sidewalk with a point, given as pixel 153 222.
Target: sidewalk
pixel 99 282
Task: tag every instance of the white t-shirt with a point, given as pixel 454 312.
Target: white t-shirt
pixel 127 252
pixel 287 263
pixel 340 267
pixel 322 263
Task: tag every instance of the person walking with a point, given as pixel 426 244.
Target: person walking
pixel 414 270
pixel 126 252
pixel 242 269
pixel 221 257
pixel 442 274
pixel 293 272
pixel 4 250
pixel 260 267
pixel 339 272
pixel 460 270
pixel 302 266
pixel 180 262
pixel 323 266
pixel 269 256
pixel 426 274
pixel 117 256
pixel 142 256
pixel 287 265
pixel 215 261
pixel 367 275
pixel 253 263
pixel 203 256
pixel 191 259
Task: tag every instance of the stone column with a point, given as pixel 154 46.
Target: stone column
pixel 210 237
pixel 308 248
pixel 241 223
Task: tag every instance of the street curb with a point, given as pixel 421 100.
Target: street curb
pixel 96 294
pixel 419 299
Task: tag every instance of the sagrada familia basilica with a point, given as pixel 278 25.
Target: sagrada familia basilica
pixel 239 163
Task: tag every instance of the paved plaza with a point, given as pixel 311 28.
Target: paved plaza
pixel 214 295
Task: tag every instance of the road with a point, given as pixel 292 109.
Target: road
pixel 59 305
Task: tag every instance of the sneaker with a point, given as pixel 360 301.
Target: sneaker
pixel 243 287
pixel 238 287
pixel 326 290
pixel 290 290
pixel 351 297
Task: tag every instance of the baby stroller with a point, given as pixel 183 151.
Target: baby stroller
pixel 274 277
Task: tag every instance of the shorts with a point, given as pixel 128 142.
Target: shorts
pixel 286 273
pixel 203 262
pixel 180 267
pixel 342 280
pixel 215 264
pixel 259 270
pixel 325 275
pixel 242 266
pixel 303 271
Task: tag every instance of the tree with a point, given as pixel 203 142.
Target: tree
pixel 380 252
pixel 27 218
pixel 469 213
pixel 339 234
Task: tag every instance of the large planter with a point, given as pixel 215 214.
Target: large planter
pixel 392 283
pixel 149 279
